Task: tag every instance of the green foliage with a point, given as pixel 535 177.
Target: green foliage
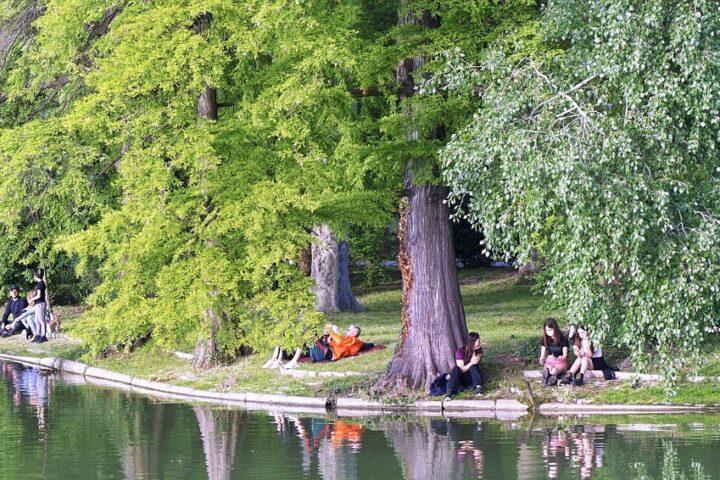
pixel 602 154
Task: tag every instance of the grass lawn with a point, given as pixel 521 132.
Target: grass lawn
pixel 506 313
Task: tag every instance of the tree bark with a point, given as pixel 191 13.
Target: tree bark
pixel 206 353
pixel 331 272
pixel 433 318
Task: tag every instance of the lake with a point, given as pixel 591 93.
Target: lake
pixel 58 426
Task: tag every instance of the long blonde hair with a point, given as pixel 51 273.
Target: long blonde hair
pixel 30 296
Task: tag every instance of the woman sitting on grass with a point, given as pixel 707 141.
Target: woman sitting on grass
pixel 553 352
pixel 589 357
pixel 466 373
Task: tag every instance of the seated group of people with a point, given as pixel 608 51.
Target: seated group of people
pixel 554 348
pixel 27 315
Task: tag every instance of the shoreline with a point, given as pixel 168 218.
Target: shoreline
pixel 343 406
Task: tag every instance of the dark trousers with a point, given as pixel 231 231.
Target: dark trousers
pixel 460 380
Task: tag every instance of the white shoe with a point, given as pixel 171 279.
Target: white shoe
pixel 291 364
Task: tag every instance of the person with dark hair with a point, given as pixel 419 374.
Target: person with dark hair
pixel 589 357
pixel 40 306
pixel 466 372
pixel 553 352
pixel 15 306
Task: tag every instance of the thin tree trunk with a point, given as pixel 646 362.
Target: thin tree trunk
pixel 206 353
pixel 433 318
pixel 331 272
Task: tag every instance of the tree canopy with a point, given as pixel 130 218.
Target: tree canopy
pixel 598 149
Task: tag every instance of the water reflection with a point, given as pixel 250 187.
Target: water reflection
pixel 331 445
pixel 31 385
pixel 580 447
pixel 69 430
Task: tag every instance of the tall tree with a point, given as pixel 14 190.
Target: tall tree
pixel 433 319
pixel 603 158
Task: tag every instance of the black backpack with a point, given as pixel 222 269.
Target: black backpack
pixel 439 386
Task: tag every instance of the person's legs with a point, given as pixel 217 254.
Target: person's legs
pixel 453 384
pixel 573 370
pixel 40 319
pixel 33 324
pixel 586 365
pixel 475 378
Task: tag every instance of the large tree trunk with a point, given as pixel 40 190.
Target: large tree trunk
pixel 433 319
pixel 331 272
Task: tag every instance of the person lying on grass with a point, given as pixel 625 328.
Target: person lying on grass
pixel 553 352
pixel 331 346
pixel 466 372
pixel 589 357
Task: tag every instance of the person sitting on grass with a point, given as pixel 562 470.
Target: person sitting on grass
pixel 553 352
pixel 26 320
pixel 589 357
pixel 15 306
pixel 466 373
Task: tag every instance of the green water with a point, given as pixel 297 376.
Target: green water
pixel 54 426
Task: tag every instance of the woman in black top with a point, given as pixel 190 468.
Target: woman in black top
pixel 553 352
pixel 40 305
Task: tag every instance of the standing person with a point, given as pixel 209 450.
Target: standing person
pixel 40 306
pixel 15 306
pixel 466 373
pixel 553 352
pixel 589 357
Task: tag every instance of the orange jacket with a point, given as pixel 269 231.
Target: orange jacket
pixel 343 346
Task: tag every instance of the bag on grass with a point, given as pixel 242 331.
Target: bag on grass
pixel 439 386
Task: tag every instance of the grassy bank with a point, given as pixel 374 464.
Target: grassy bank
pixel 506 313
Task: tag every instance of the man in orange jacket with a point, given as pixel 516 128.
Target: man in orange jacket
pixel 346 345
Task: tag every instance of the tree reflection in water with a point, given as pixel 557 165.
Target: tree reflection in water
pixel 426 448
pixel 219 430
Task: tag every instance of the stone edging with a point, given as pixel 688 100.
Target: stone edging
pixel 342 405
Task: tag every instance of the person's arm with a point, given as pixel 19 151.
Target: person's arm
pixel 38 294
pixel 565 353
pixel 543 357
pixel 475 360
pixel 7 313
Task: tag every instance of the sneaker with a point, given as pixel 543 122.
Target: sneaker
pixel 567 380
pixel 545 375
pixel 43 339
pixel 35 339
pixel 551 381
pixel 478 391
pixel 448 398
